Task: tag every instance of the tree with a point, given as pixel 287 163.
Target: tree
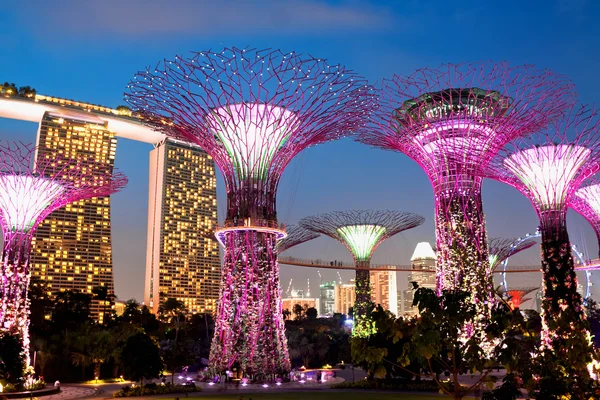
pixel 311 313
pixel 101 349
pixel 173 310
pixel 439 342
pixel 102 296
pixel 71 309
pixel 177 355
pixel 26 91
pixel 12 358
pixel 298 311
pixel 286 314
pixel 140 358
pixel 132 311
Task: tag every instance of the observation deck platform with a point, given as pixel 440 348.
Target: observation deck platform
pixel 122 123
pixel 322 264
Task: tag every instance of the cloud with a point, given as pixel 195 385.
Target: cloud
pixel 139 18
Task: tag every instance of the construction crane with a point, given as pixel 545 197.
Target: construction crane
pixel 287 292
pixel 308 287
pixel 339 277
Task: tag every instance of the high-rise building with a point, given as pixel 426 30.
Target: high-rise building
pixel 344 297
pixel 384 291
pixel 72 248
pixel 423 263
pixel 182 258
pixel 327 298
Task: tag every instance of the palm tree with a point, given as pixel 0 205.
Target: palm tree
pixel 101 350
pixel 80 356
pixel 171 310
pixel 132 310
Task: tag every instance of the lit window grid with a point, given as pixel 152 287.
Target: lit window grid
pixel 72 247
pixel 189 264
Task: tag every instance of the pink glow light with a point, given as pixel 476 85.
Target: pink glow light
pixel 547 171
pixel 23 198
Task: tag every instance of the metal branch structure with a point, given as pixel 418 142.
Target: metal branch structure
pixel 500 249
pixel 548 168
pixel 362 231
pixel 295 235
pixel 27 196
pixel 587 203
pixel 452 121
pixel 252 111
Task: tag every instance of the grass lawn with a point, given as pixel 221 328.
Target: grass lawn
pixel 320 395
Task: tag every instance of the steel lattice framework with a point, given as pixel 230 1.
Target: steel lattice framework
pixel 587 203
pixel 548 168
pixel 252 111
pixel 27 196
pixel 452 121
pixel 362 231
pixel 501 249
pixel 295 235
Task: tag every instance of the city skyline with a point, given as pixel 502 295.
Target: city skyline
pixel 399 185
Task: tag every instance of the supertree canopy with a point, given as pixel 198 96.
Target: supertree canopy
pixel 295 235
pixel 361 231
pixel 500 249
pixel 27 196
pixel 252 111
pixel 452 121
pixel 517 296
pixel 587 203
pixel 548 168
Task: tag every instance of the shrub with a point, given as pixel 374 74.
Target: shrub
pixel 158 389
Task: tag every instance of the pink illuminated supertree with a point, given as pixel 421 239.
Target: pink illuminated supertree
pixel 587 203
pixel 548 168
pixel 27 196
pixel 295 235
pixel 362 231
pixel 452 121
pixel 252 111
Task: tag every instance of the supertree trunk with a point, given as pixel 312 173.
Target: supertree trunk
pixel 362 304
pixel 14 302
pixel 249 328
pixel 563 317
pixel 462 250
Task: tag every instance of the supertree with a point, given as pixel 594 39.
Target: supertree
pixel 548 168
pixel 27 196
pixel 252 111
pixel 500 249
pixel 361 231
pixel 452 121
pixel 517 295
pixel 295 235
pixel 587 203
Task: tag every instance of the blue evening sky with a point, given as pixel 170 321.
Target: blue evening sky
pixel 89 50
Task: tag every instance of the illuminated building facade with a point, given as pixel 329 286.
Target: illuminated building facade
pixel 384 290
pixel 182 259
pixel 344 297
pixel 72 248
pixel 306 303
pixel 327 298
pixel 423 263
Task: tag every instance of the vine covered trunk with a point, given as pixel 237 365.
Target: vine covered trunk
pixel 249 327
pixel 362 326
pixel 14 302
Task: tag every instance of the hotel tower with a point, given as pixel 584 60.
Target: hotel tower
pixel 182 259
pixel 72 246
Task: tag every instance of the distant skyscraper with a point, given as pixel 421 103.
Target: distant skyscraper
pixel 182 258
pixel 72 248
pixel 384 290
pixel 327 297
pixel 423 262
pixel 344 297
